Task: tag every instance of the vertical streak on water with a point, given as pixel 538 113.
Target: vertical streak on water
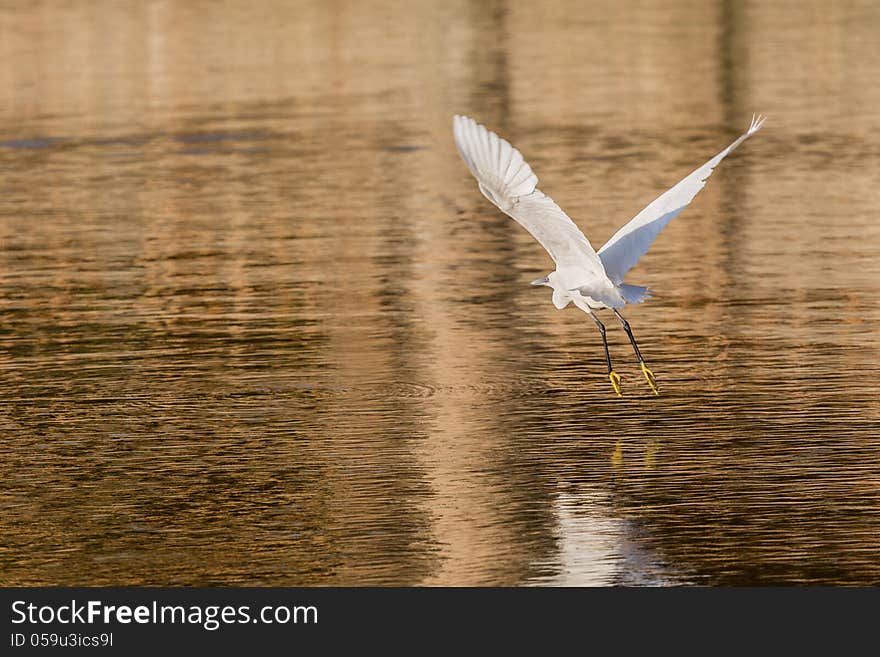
pixel 464 453
pixel 492 96
pixel 732 59
pixel 454 451
pixel 725 320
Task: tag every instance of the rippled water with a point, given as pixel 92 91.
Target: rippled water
pixel 260 327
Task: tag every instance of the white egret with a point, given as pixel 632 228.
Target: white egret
pixel 590 280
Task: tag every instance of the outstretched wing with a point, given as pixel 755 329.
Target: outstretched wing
pixel 506 179
pixel 632 241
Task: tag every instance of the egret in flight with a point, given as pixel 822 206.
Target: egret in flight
pixel 590 280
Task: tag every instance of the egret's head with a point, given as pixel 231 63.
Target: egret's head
pixel 547 280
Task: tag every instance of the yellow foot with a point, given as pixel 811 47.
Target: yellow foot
pixel 649 377
pixel 615 381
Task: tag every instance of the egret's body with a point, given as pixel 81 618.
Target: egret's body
pixel 591 280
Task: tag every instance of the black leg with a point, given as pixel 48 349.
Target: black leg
pixel 613 376
pixel 604 339
pixel 629 333
pixel 649 375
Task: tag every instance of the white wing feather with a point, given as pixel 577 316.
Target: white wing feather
pixel 631 242
pixel 506 179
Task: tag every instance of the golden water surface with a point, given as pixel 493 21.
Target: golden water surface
pixel 258 325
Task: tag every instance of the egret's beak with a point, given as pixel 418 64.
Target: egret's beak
pixel 541 281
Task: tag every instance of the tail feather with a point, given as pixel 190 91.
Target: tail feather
pixel 634 293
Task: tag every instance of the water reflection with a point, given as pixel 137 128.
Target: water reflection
pixel 258 328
